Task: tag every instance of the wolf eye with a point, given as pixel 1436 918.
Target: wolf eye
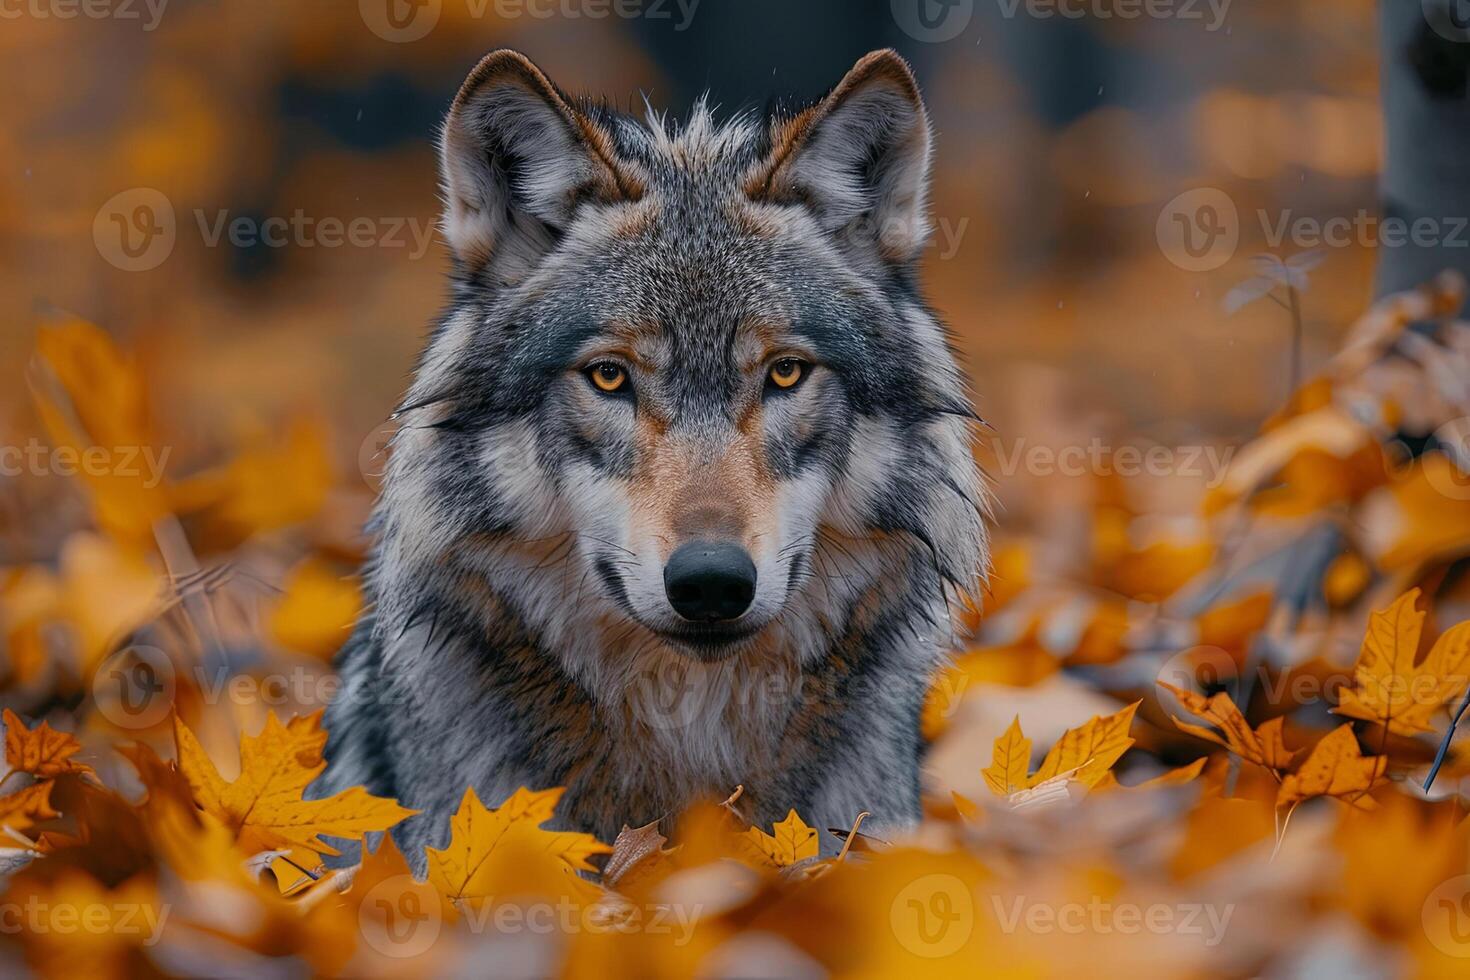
pixel 787 372
pixel 608 377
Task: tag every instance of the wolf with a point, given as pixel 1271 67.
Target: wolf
pixel 683 495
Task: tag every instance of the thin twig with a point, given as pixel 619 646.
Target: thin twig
pixel 1444 745
pixel 1296 339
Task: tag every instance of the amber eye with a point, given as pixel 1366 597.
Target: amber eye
pixel 786 372
pixel 608 377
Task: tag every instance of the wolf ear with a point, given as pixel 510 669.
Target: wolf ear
pixel 517 159
pixel 859 159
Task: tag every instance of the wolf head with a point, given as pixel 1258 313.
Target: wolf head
pixel 686 398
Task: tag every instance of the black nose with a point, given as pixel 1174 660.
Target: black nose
pixel 709 582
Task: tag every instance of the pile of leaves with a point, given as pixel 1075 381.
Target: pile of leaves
pixel 1244 761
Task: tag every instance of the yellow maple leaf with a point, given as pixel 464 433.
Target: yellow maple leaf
pixel 1010 761
pixel 264 808
pixel 273 481
pixel 1087 753
pixel 464 868
pixel 1388 687
pixel 100 592
pixel 41 751
pixel 1181 776
pixel 23 808
pixel 792 842
pixel 1264 746
pixel 1414 521
pixel 90 396
pixel 1335 767
pixel 317 610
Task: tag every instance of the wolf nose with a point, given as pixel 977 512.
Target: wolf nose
pixel 710 582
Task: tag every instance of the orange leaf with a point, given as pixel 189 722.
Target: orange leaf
pixel 42 751
pixel 89 395
pixel 25 807
pixel 1083 754
pixel 1091 749
pixel 1010 761
pixel 1264 747
pixel 465 868
pixel 264 806
pixel 1335 767
pixel 1388 687
pixel 793 842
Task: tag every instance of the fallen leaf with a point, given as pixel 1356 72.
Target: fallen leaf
pixel 1265 746
pixel 792 842
pixel 1337 768
pixel 264 806
pixel 24 808
pixel 1388 687
pixel 90 396
pixel 1089 751
pixel 633 853
pixel 462 869
pixel 41 751
pixel 1010 761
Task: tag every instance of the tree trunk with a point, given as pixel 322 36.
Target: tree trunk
pixel 1426 112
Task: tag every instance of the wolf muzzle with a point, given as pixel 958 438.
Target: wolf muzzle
pixel 710 581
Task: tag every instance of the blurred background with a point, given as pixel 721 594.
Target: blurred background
pixel 1061 139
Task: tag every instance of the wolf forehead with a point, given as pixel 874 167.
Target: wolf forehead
pixel 699 246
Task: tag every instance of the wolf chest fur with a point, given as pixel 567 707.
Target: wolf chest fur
pixel 683 492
